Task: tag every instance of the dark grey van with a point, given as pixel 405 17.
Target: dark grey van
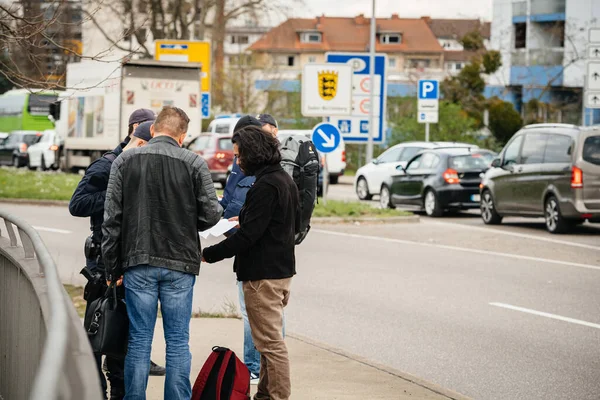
pixel 546 170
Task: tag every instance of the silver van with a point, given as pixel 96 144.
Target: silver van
pixel 546 170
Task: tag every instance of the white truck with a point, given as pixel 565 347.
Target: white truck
pixel 93 114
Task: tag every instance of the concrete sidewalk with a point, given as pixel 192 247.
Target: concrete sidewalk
pixel 318 372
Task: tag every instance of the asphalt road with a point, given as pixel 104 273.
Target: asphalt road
pixel 508 312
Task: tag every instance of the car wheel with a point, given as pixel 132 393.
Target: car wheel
pixel 488 211
pixel 334 179
pixel 43 164
pixel 385 198
pixel 432 205
pixel 362 189
pixel 16 162
pixel 555 222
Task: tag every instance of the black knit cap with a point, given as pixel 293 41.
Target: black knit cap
pixel 246 120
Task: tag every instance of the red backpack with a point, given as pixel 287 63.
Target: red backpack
pixel 222 377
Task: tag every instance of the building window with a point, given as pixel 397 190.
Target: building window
pixel 390 38
pixel 520 36
pixel 392 62
pixel 290 61
pixel 235 39
pixel 418 64
pixel 312 37
pixel 458 66
pixel 312 59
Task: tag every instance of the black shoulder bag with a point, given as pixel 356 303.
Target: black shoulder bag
pixel 107 324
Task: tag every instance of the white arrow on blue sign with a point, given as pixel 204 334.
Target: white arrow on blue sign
pixel 326 137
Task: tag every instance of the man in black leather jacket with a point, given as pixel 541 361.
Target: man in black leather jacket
pixel 88 201
pixel 158 198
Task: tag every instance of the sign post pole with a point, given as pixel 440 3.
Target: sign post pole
pixel 371 85
pixel 325 180
pixel 427 132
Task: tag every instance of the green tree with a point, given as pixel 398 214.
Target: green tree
pixel 466 88
pixel 454 123
pixel 504 120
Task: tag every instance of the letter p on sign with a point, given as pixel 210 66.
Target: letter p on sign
pixel 428 89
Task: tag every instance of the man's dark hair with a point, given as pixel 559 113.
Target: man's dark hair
pixel 257 149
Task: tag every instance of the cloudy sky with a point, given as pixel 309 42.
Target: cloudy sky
pixel 405 8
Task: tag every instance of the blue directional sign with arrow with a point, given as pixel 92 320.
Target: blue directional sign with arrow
pixel 326 137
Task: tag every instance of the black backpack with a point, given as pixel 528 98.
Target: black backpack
pixel 300 160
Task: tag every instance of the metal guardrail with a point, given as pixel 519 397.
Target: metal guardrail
pixel 44 350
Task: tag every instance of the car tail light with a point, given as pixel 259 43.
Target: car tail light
pixel 220 156
pixel 451 176
pixel 54 148
pixel 23 147
pixel 344 156
pixel 576 178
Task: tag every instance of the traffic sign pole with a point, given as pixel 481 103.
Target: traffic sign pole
pixel 427 132
pixel 371 85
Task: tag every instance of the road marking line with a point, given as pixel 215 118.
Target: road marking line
pixel 456 248
pixel 53 230
pixel 547 315
pixel 521 235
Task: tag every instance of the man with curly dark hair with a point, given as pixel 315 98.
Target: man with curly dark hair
pixel 263 247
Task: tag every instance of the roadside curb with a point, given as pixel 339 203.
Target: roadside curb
pixel 366 220
pixel 394 372
pixel 36 202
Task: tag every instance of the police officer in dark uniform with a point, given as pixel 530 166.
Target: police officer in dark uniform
pixel 88 201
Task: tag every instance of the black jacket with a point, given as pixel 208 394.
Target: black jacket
pixel 159 196
pixel 88 198
pixel 264 244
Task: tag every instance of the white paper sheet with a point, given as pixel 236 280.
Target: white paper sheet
pixel 220 228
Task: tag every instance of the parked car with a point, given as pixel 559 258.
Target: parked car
pixel 217 150
pixel 546 170
pixel 13 149
pixel 369 178
pixel 336 160
pixel 3 135
pixel 436 180
pixel 45 154
pixel 223 125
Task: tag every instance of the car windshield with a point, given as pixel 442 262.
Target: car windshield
pixel 591 150
pixel 200 144
pixel 468 162
pixel 31 138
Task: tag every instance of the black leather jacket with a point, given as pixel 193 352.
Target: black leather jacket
pixel 159 196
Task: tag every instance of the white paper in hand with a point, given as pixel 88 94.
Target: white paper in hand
pixel 220 228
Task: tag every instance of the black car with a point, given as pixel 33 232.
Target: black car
pixel 13 149
pixel 436 181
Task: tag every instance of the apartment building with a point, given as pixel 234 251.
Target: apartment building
pixel 543 45
pixel 409 43
pixel 450 32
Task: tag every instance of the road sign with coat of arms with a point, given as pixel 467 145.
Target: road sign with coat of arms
pixel 326 90
pixel 328 84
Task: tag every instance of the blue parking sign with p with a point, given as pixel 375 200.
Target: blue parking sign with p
pixel 429 89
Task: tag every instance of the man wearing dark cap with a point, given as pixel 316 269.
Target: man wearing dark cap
pixel 268 123
pixel 88 201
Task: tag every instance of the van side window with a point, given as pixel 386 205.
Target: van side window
pixel 511 154
pixel 558 149
pixel 222 128
pixel 533 148
pixel 591 150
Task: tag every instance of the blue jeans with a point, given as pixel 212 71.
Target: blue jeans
pixel 251 355
pixel 144 287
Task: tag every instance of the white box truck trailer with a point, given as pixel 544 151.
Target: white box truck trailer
pixel 94 112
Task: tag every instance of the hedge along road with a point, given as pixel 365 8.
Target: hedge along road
pixel 487 315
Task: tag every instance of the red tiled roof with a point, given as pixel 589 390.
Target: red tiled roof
pixel 459 55
pixel 348 34
pixel 457 28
